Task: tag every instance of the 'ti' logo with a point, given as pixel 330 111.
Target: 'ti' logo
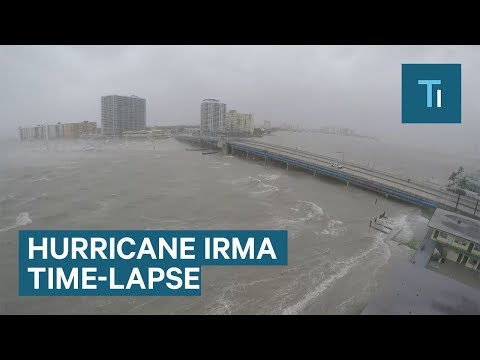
pixel 429 84
pixel 431 93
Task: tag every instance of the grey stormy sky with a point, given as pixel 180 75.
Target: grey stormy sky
pixel 351 86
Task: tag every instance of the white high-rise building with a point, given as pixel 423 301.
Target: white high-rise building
pixel 239 123
pixel 212 117
pixel 122 113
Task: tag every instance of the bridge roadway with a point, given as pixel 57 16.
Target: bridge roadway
pixel 376 180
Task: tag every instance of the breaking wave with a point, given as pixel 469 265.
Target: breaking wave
pixel 257 186
pixel 304 211
pixel 269 177
pixel 341 268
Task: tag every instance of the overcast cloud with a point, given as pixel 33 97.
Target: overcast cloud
pixel 352 86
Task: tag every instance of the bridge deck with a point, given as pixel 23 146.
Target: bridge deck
pixel 373 179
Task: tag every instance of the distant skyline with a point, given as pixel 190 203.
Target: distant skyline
pixel 358 87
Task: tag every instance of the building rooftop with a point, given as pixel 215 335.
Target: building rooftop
pixel 455 224
pixel 124 96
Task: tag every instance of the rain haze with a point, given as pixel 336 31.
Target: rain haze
pixel 316 148
pixel 353 86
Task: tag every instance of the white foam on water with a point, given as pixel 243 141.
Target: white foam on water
pixel 334 228
pixel 259 187
pixel 343 267
pixel 226 164
pixel 269 177
pixel 23 219
pixel 264 188
pixel 314 211
pixel 102 206
pixel 43 178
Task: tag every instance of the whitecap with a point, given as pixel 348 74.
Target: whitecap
pixel 269 177
pixel 43 178
pixel 314 210
pixel 341 268
pixel 260 187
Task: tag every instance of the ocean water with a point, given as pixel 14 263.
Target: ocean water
pixel 335 260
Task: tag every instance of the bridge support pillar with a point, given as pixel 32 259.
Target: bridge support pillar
pixel 288 167
pixel 314 173
pixel 265 160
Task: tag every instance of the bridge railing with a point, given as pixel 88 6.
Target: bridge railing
pixel 465 203
pixel 461 203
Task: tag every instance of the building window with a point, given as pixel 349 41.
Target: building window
pixel 460 241
pixel 435 234
pixel 477 247
pixel 442 235
pixel 459 258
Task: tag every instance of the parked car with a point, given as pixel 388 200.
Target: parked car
pixel 337 165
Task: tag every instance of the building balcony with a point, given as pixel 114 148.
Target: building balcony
pixel 460 249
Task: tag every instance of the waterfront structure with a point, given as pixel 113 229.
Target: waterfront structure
pixel 122 113
pixel 147 134
pixel 32 133
pixel 76 130
pixel 392 186
pixel 57 131
pixel 212 117
pixel 40 132
pixel 457 237
pixel 239 123
pixel 267 125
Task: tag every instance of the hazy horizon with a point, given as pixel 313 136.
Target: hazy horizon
pixel 347 86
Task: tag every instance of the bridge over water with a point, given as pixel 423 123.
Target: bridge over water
pixel 372 179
